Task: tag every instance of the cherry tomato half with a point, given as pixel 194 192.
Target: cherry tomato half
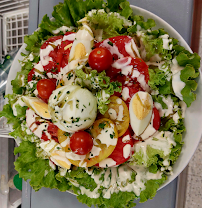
pixel 81 143
pixel 45 88
pixel 100 59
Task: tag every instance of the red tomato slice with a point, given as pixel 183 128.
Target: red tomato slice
pixel 116 45
pixel 129 90
pixel 51 40
pixel 52 130
pixel 156 119
pixel 63 51
pixel 30 75
pixel 130 67
pixel 58 54
pixel 123 149
pixel 38 131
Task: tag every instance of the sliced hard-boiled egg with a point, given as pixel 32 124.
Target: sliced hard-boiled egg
pixel 140 110
pixel 81 47
pixel 38 106
pixel 59 158
pixel 72 108
pixel 49 146
pixel 56 154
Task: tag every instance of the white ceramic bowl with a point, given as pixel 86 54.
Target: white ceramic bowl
pixel 193 118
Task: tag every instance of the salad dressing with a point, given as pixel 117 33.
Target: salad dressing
pixel 44 55
pixel 178 85
pixel 113 49
pixel 166 41
pixel 61 29
pixel 175 67
pixel 132 49
pixel 105 134
pixel 95 151
pixel 18 102
pixel 112 113
pixel 143 84
pixel 120 114
pixel 176 117
pixel 108 162
pixel 126 150
pixel 135 73
pixel 169 102
pixel 157 141
pixel 125 93
pixel 126 138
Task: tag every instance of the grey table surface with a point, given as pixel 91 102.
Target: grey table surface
pixel 179 15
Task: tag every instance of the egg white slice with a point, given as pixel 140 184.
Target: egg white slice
pixel 81 47
pixel 140 110
pixel 38 106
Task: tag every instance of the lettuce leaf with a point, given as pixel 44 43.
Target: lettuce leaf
pixel 8 113
pixel 187 76
pixel 184 57
pixel 139 21
pixel 117 200
pixel 37 169
pixel 151 188
pixel 110 24
pixel 120 6
pixel 158 81
pixel 100 85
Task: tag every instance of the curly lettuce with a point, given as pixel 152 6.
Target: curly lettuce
pixel 100 85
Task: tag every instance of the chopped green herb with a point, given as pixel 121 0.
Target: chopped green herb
pixel 110 43
pixel 112 135
pixel 66 134
pixel 70 75
pixel 54 70
pixel 102 125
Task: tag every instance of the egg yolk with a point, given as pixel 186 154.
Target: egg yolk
pixel 79 52
pixel 140 109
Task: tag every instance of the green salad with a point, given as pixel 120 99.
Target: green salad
pixel 99 103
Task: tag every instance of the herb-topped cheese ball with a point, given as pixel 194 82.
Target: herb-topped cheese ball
pixel 72 108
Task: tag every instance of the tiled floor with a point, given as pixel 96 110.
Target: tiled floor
pixel 194 179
